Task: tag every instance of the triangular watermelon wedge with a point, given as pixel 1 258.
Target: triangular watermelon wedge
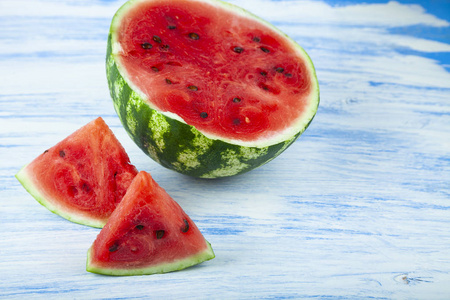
pixel 148 233
pixel 83 177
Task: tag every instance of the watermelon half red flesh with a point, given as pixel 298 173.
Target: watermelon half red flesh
pixel 83 177
pixel 147 233
pixel 205 87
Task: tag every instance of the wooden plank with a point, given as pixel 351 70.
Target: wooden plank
pixel 357 208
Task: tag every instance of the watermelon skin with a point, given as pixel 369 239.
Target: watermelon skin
pixel 148 233
pixel 83 177
pixel 166 268
pixel 179 146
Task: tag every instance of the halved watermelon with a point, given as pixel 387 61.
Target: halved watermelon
pixel 83 177
pixel 147 233
pixel 206 88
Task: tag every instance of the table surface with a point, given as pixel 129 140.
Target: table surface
pixel 358 207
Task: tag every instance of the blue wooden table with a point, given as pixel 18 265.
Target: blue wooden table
pixel 358 207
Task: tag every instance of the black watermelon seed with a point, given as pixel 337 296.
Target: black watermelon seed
pixel 194 36
pixel 257 39
pixel 204 115
pixel 45 151
pixel 159 234
pixel 264 50
pixel 114 247
pixel 185 228
pixel 146 46
pixel 288 75
pixel 236 121
pixel 62 153
pixel 193 88
pixel 279 70
pixel 157 39
pixel 164 47
pixel 86 187
pixel 140 227
pixel 155 69
pixel 168 81
pixel 238 49
pixel 236 100
pixel 171 27
pixel 263 73
pixel 264 87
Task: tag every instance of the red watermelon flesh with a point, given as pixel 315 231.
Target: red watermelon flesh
pixel 223 73
pixel 82 178
pixel 147 233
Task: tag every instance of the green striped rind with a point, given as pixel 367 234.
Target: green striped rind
pixel 26 179
pixel 176 265
pixel 181 147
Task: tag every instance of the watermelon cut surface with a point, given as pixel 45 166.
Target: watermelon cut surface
pixel 83 177
pixel 206 88
pixel 148 233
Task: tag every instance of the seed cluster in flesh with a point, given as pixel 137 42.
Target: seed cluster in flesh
pixel 83 177
pixel 148 229
pixel 226 80
pixel 153 234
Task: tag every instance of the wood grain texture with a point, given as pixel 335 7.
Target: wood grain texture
pixel 357 208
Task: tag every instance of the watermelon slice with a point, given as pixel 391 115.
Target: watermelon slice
pixel 206 88
pixel 147 233
pixel 83 177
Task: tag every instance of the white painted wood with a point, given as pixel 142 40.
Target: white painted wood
pixel 357 208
